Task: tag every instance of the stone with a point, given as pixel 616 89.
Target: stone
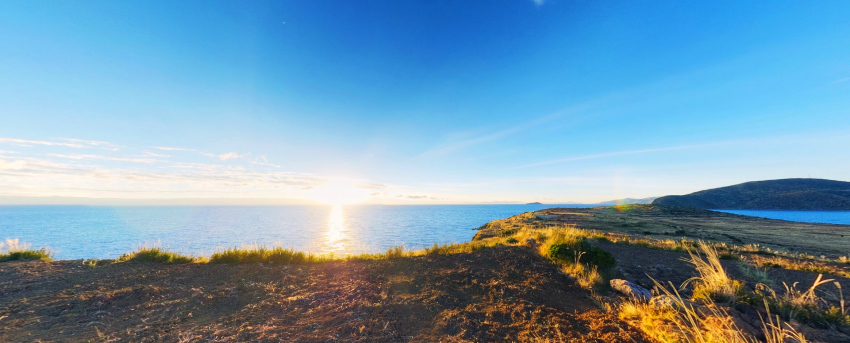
pixel 665 300
pixel 631 289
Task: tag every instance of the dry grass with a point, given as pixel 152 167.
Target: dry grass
pixel 806 306
pixel 713 282
pixel 708 322
pixel 683 321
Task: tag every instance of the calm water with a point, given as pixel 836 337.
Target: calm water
pixel 77 232
pixel 829 217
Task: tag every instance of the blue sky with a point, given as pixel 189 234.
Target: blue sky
pixel 419 102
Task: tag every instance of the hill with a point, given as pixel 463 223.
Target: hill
pixel 784 194
pixel 628 201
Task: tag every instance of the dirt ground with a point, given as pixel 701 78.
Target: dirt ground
pixel 502 294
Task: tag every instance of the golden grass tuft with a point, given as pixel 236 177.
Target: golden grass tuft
pixel 713 283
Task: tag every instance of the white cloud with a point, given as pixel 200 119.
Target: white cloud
pixel 539 2
pixel 171 149
pixel 65 142
pixel 100 144
pixel 152 154
pixel 28 143
pixel 106 158
pixel 227 156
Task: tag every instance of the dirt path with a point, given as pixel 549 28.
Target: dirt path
pixel 500 294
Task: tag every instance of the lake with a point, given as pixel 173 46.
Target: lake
pixel 84 232
pixel 827 217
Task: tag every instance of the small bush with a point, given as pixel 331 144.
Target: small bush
pixel 258 254
pixel 586 254
pixel 40 254
pixel 155 255
pixel 512 240
pixel 15 250
pixel 508 232
pixel 598 257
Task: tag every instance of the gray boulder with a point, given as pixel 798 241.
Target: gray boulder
pixel 631 289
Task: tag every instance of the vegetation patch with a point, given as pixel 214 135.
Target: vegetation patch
pixel 582 252
pixel 156 255
pixel 40 254
pixel 14 250
pixel 260 254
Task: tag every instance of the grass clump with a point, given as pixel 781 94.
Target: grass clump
pixel 712 283
pixel 457 248
pixel 14 250
pixel 156 255
pixel 683 321
pixel 259 254
pixel 40 254
pixel 806 306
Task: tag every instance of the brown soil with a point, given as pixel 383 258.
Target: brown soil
pixel 501 294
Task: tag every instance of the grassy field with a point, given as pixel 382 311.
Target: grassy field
pixel 664 223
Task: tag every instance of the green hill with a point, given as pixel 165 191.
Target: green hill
pixel 784 194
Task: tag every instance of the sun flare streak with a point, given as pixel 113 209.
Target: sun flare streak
pixel 336 234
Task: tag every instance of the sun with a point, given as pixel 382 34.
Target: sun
pixel 338 192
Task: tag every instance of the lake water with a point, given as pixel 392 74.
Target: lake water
pixel 828 217
pixel 83 232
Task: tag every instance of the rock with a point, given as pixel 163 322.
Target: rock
pixel 531 242
pixel 631 289
pixel 665 300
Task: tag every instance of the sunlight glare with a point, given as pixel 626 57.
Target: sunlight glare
pixel 335 232
pixel 338 192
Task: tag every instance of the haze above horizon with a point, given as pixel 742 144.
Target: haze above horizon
pixel 426 102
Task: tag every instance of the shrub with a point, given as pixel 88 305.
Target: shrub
pixel 581 251
pixel 14 250
pixel 508 232
pixel 40 254
pixel 512 240
pixel 598 257
pixel 155 255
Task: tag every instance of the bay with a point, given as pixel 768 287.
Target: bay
pixel 826 217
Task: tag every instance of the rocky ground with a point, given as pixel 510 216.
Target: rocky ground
pixel 501 294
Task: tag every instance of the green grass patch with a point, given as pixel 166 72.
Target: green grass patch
pixel 23 255
pixel 156 255
pixel 260 254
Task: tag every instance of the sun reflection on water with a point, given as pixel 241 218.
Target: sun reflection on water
pixel 335 236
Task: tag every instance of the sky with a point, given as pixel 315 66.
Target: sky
pixel 417 102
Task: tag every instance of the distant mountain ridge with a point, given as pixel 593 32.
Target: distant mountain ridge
pixel 628 201
pixel 783 194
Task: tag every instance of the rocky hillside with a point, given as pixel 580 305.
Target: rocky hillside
pixel 784 194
